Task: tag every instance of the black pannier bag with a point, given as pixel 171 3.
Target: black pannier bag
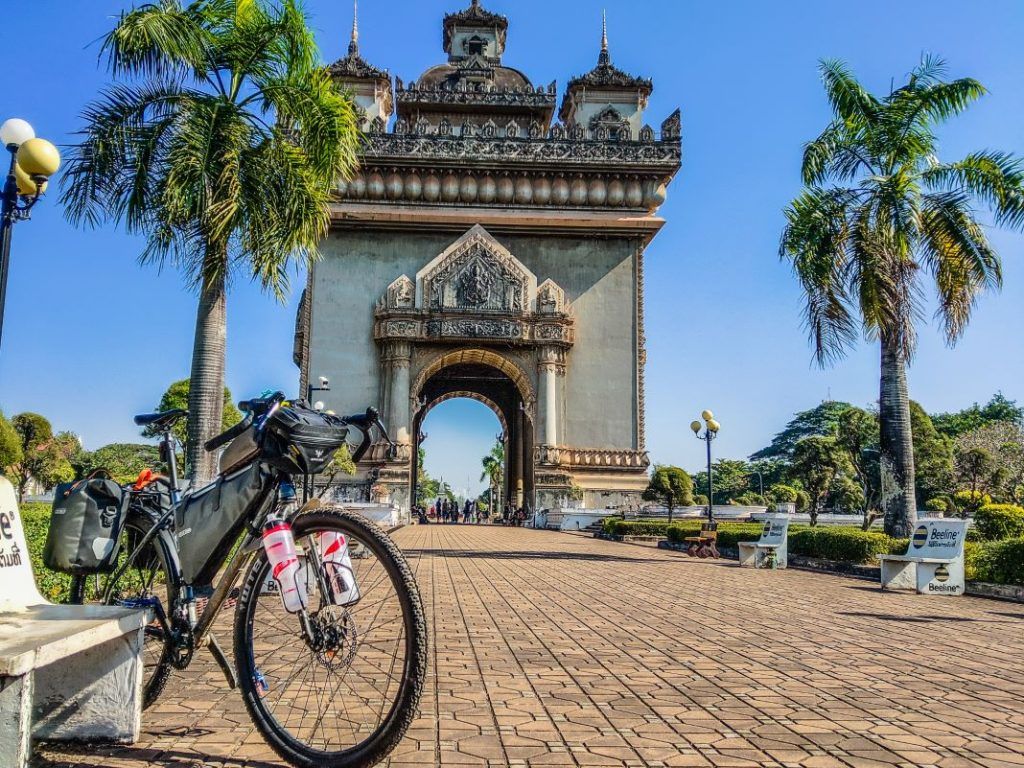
pixel 207 523
pixel 300 441
pixel 85 526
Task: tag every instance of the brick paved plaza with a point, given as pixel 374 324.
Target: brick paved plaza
pixel 559 650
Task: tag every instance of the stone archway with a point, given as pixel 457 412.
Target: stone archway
pixel 498 383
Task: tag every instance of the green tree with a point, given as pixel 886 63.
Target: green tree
pixel 493 468
pixel 933 456
pixel 732 478
pixel 177 396
pixel 823 419
pixel 1002 442
pixel 997 409
pixel 857 434
pixel 222 145
pixel 45 457
pixel 124 461
pixel 10 444
pixel 671 486
pixel 817 463
pixel 427 486
pixel 879 213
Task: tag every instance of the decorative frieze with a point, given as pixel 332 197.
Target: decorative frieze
pixel 592 458
pixel 413 185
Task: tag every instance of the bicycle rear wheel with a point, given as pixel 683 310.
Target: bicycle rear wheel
pixel 344 698
pixel 144 582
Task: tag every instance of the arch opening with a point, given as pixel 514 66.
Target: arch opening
pixel 500 386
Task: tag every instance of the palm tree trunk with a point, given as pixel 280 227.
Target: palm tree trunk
pixel 898 501
pixel 206 389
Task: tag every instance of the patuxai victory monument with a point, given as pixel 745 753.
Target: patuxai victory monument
pixel 491 247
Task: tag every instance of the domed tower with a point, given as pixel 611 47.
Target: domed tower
pixel 473 93
pixel 606 101
pixel 370 86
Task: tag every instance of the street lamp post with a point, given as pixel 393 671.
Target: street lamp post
pixel 33 161
pixel 325 386
pixel 710 433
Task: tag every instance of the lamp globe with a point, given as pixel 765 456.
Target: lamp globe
pixel 15 132
pixel 713 425
pixel 707 415
pixel 38 157
pixel 26 185
pixel 695 426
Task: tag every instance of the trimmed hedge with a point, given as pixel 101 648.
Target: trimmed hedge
pixel 997 562
pixel 996 522
pixel 729 534
pixel 35 518
pixel 850 545
pixel 615 526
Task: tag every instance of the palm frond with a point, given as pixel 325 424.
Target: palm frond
pixel 850 101
pixel 997 178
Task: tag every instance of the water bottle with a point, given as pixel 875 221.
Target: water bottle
pixel 284 563
pixel 341 577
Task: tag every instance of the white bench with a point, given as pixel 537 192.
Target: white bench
pixel 934 562
pixel 67 672
pixel 774 541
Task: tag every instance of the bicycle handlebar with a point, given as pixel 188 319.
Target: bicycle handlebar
pixel 259 406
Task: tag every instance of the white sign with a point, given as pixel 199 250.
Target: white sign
pixel 17 585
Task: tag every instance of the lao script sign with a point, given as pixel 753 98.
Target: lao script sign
pixel 17 585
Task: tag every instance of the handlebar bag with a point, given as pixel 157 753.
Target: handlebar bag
pixel 301 441
pixel 85 526
pixel 207 523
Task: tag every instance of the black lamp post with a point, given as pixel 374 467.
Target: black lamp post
pixel 33 161
pixel 710 433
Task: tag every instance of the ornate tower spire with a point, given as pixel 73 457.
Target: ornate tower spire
pixel 353 44
pixel 604 58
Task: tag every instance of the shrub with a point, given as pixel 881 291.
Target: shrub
pixel 700 500
pixel 618 527
pixel 729 534
pixel 996 522
pixel 845 544
pixel 997 562
pixel 970 501
pixel 782 494
pixel 35 518
pixel 937 504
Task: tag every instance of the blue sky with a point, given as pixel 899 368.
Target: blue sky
pixel 91 338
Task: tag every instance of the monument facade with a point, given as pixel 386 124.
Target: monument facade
pixel 491 246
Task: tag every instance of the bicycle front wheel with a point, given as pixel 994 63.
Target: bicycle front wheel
pixel 341 691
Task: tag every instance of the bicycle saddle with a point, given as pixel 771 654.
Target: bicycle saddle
pixel 160 420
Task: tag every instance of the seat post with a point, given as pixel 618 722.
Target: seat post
pixel 167 442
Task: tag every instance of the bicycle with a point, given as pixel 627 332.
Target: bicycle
pixel 360 662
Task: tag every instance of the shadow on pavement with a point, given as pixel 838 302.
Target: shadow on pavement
pixel 506 555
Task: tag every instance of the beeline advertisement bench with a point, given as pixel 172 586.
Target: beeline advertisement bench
pixel 934 562
pixel 67 672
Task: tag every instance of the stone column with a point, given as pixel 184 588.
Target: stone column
pixel 399 354
pixel 550 366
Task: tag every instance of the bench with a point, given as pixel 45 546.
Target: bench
pixel 934 562
pixel 67 672
pixel 771 550
pixel 704 543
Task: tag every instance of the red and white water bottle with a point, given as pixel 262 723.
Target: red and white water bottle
pixel 284 563
pixel 341 577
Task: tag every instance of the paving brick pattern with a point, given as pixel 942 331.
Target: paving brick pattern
pixel 560 650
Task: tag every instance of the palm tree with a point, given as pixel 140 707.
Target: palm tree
pixel 221 145
pixel 494 465
pixel 879 217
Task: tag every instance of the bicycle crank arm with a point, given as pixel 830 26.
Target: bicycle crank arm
pixel 222 660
